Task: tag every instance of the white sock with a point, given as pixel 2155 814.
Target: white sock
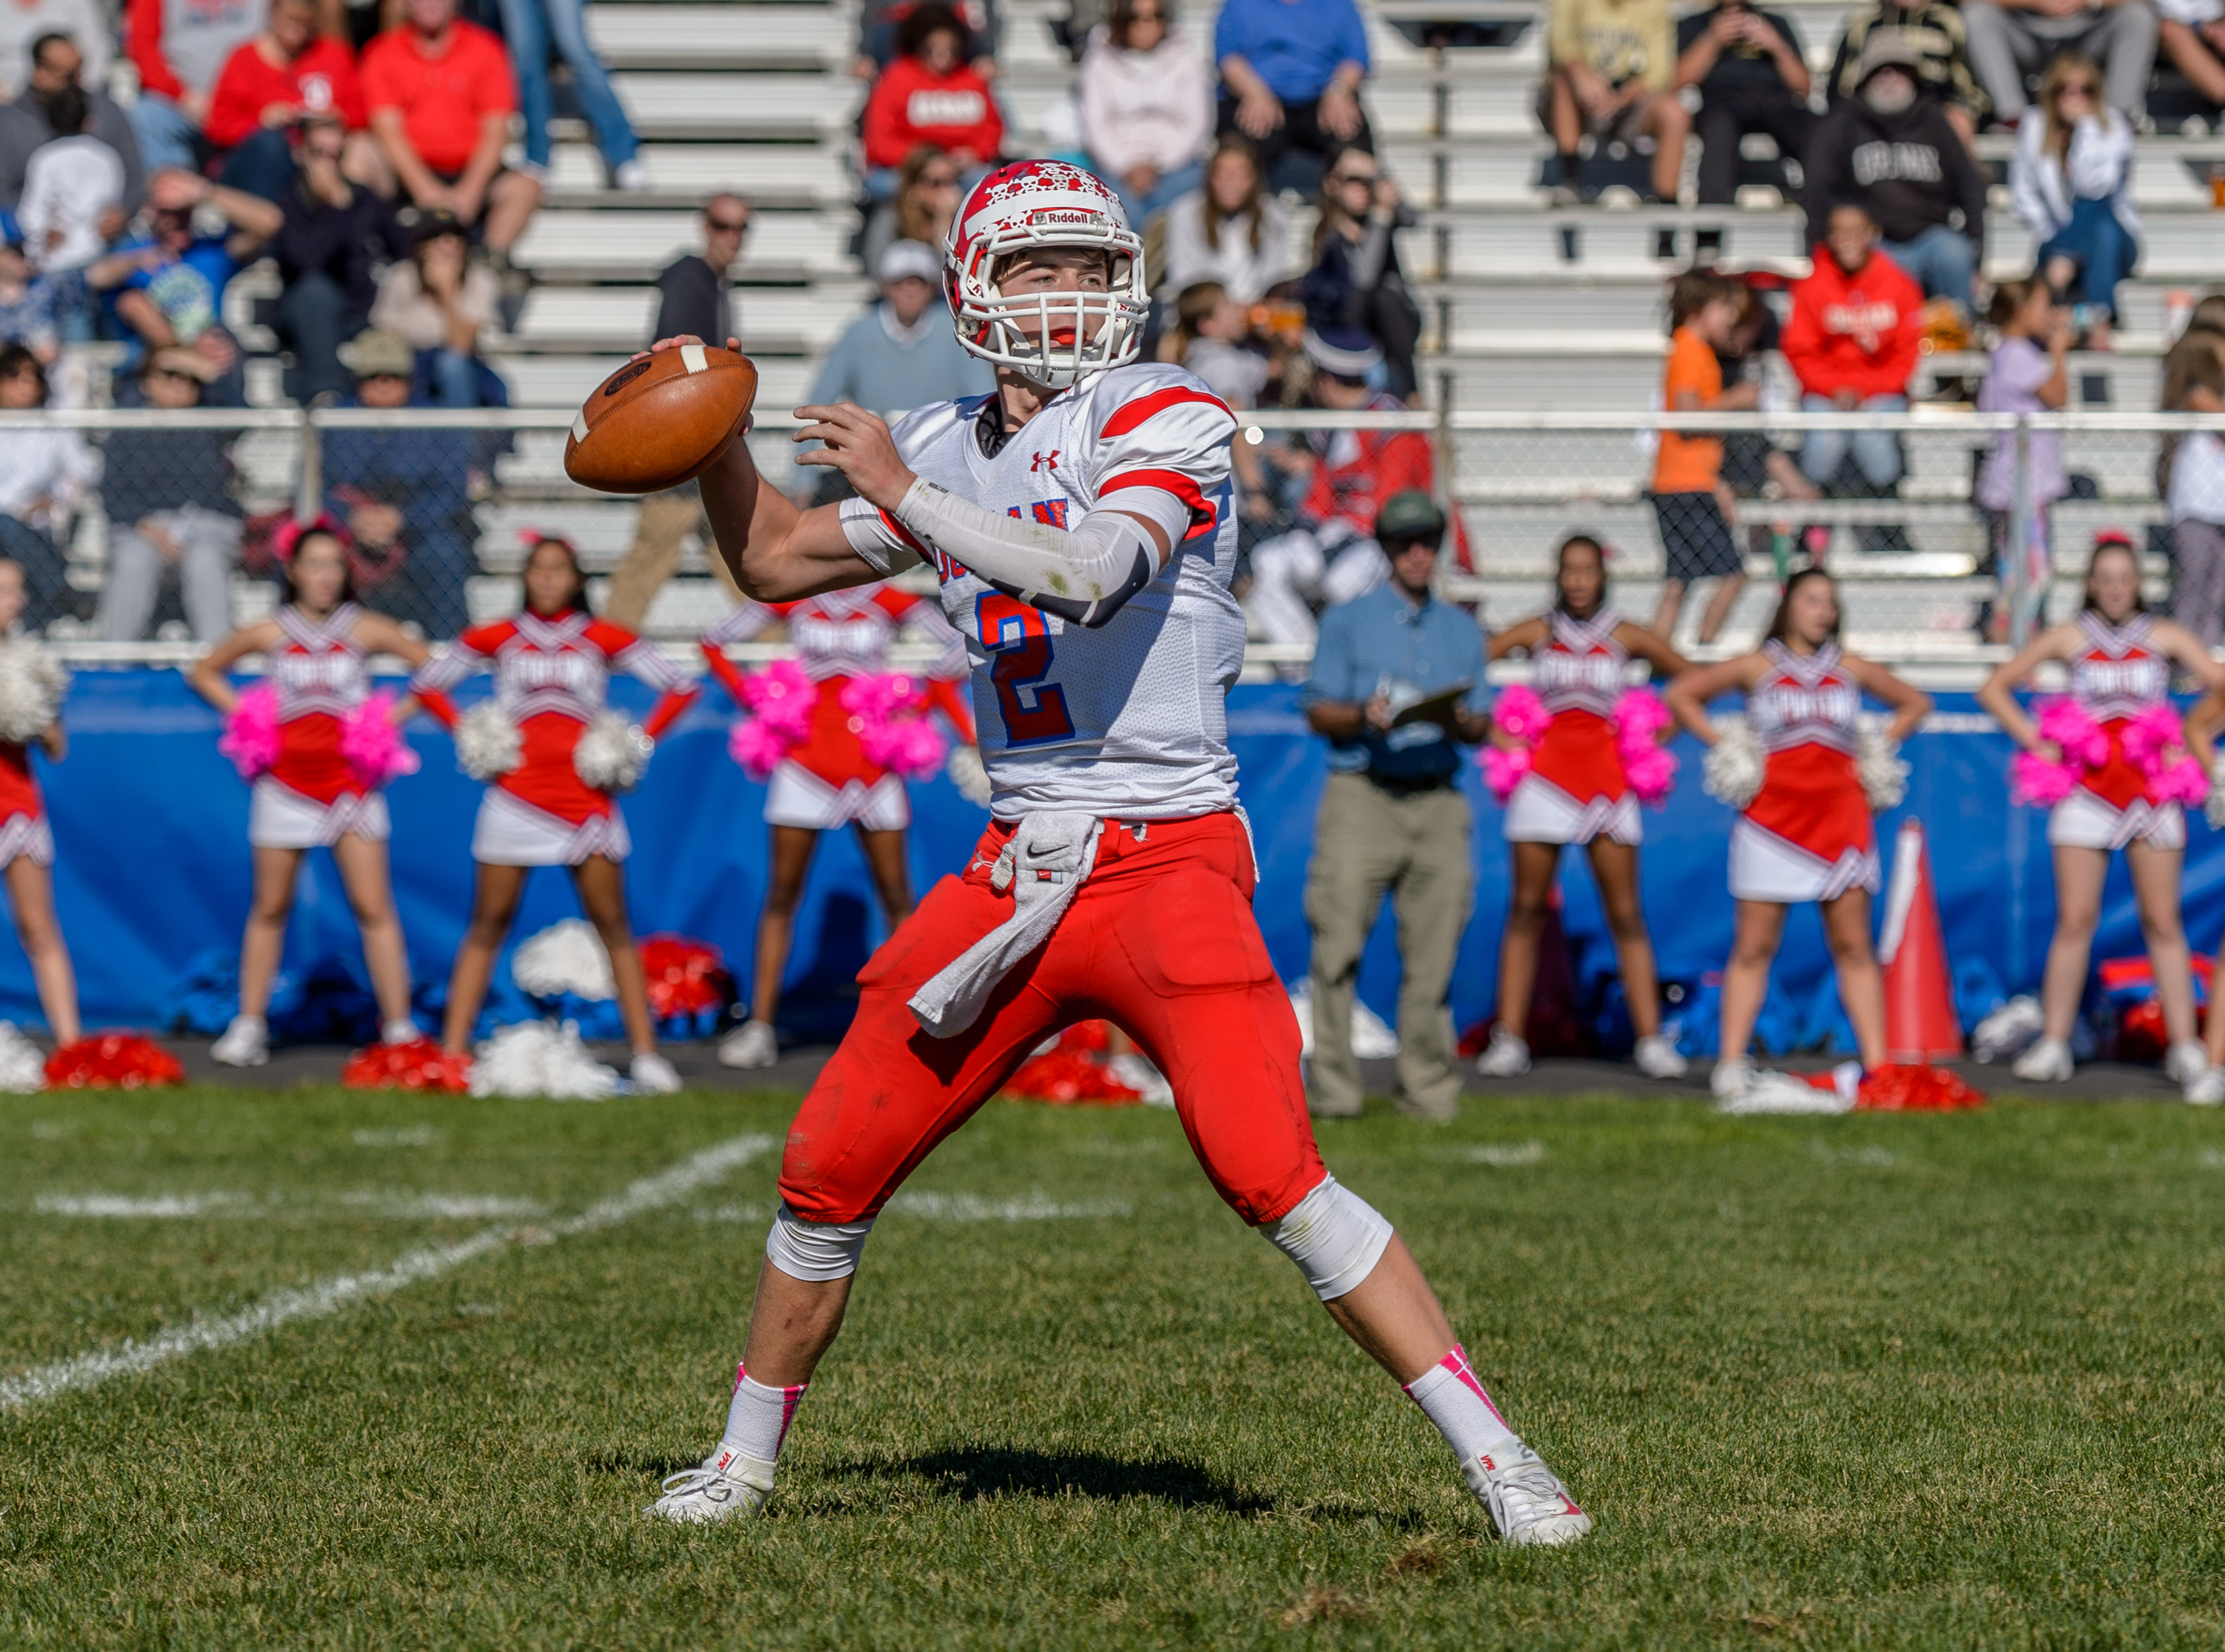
pixel 757 1420
pixel 1451 1398
pixel 400 1030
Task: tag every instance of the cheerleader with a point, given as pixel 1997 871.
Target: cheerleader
pixel 31 688
pixel 553 756
pixel 827 782
pixel 1577 792
pixel 307 794
pixel 1805 832
pixel 2119 659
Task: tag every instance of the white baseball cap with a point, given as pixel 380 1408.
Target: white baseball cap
pixel 900 259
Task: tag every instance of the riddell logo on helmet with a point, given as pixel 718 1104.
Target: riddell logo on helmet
pixel 1064 215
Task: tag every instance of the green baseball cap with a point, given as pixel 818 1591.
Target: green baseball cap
pixel 1410 515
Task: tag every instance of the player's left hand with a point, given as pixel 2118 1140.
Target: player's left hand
pixel 858 445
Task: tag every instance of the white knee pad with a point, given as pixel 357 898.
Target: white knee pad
pixel 816 1251
pixel 1335 1235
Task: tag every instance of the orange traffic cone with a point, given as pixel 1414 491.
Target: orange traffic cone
pixel 1919 994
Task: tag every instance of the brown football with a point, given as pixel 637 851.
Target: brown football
pixel 657 421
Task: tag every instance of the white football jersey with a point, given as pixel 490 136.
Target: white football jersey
pixel 1127 720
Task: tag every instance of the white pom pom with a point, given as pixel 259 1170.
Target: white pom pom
pixel 1734 769
pixel 968 774
pixel 23 1068
pixel 538 1058
pixel 488 744
pixel 612 753
pixel 2213 806
pixel 32 684
pixel 1884 775
pixel 566 957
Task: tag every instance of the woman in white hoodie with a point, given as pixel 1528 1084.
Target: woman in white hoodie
pixel 2072 184
pixel 1146 106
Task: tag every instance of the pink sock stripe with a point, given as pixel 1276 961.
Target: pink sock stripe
pixel 791 1398
pixel 1456 1362
pixel 740 1371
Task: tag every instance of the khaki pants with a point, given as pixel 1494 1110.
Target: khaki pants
pixel 1417 847
pixel 666 521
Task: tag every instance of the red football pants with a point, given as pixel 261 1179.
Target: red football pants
pixel 1160 940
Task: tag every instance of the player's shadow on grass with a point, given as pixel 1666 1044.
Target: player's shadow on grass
pixel 987 1472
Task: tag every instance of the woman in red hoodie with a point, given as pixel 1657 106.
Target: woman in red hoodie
pixel 929 96
pixel 1852 344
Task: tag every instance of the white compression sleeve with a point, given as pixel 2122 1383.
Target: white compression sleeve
pixel 1081 574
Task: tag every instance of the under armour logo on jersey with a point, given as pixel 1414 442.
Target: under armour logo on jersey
pixel 1045 461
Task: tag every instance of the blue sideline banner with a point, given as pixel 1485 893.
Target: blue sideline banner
pixel 153 870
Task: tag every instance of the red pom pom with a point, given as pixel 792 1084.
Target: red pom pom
pixel 421 1064
pixel 1072 1070
pixel 1911 1088
pixel 685 976
pixel 113 1061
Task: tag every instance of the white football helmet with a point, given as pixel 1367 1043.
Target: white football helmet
pixel 1045 203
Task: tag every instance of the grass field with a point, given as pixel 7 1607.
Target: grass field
pixel 1859 1382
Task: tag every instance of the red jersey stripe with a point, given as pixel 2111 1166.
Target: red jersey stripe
pixel 1135 412
pixel 1201 514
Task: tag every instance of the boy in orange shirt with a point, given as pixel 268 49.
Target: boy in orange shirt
pixel 1691 506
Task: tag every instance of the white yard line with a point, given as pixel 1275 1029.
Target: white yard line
pixel 384 1205
pixel 331 1296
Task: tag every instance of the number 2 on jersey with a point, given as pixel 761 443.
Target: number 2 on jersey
pixel 1034 710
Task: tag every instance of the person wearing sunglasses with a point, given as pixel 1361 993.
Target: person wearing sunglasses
pixel 1355 281
pixel 1146 106
pixel 2072 183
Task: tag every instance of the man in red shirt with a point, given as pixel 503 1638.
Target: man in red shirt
pixel 268 86
pixel 440 96
pixel 1852 344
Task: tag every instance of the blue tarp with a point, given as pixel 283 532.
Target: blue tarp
pixel 152 877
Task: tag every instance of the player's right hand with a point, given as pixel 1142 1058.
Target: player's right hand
pixel 858 444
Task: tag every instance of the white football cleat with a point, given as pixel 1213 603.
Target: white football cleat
pixel 1507 1058
pixel 2047 1062
pixel 1731 1078
pixel 246 1042
pixel 653 1075
pixel 1527 1501
pixel 2185 1062
pixel 2207 1087
pixel 1657 1058
pixel 727 1487
pixel 750 1045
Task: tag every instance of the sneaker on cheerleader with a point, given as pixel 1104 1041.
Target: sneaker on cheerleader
pixel 2207 1087
pixel 2047 1062
pixel 726 1487
pixel 1507 1058
pixel 750 1045
pixel 1526 1499
pixel 653 1075
pixel 2186 1061
pixel 1657 1058
pixel 246 1042
pixel 1731 1077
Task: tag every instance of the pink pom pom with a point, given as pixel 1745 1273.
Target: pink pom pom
pixel 2042 784
pixel 374 747
pixel 757 746
pixel 2085 744
pixel 2148 735
pixel 1521 713
pixel 1640 715
pixel 1502 770
pixel 782 695
pixel 250 731
pixel 1652 772
pixel 909 746
pixel 2183 782
pixel 879 696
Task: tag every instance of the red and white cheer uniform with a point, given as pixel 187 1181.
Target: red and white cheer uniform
pixel 24 829
pixel 2121 673
pixel 310 798
pixel 552 677
pixel 828 781
pixel 1809 835
pixel 1575 789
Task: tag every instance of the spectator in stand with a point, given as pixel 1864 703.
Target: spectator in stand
pixel 1332 555
pixel 439 94
pixel 2072 183
pixel 23 23
pixel 406 496
pixel 27 313
pixel 1691 505
pixel 72 206
pixel 179 48
pixel 696 301
pixel 1290 74
pixel 2010 39
pixel 2025 373
pixel 439 302
pixel 925 202
pixel 168 285
pixel 1146 106
pixel 287 75
pixel 56 65
pixel 1209 338
pixel 2192 471
pixel 1891 148
pixel 1752 77
pixel 167 495
pixel 1852 343
pixel 2192 36
pixel 1933 30
pixel 1613 65
pixel 527 26
pixel 44 474
pixel 880 21
pixel 930 95
pixel 1355 281
pixel 334 235
pixel 1231 232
